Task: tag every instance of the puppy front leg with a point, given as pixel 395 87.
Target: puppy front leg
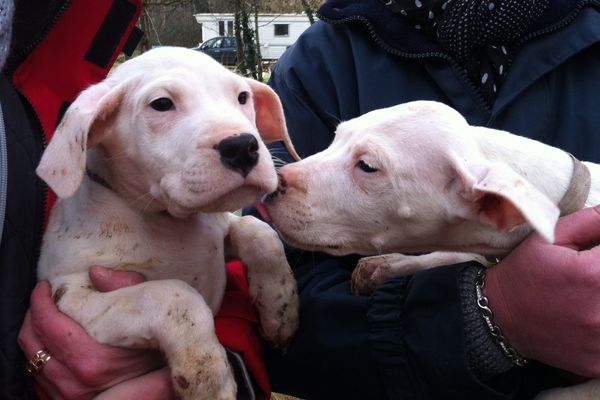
pixel 270 279
pixel 169 315
pixel 371 272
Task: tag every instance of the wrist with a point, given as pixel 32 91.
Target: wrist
pixel 502 315
pixel 486 358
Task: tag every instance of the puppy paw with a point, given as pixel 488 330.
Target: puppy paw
pixel 369 273
pixel 200 373
pixel 277 306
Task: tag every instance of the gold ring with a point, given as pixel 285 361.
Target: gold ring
pixel 37 362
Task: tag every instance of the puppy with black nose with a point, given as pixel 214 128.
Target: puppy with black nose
pixel 147 165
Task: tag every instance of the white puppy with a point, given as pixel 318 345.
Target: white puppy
pixel 417 178
pixel 174 141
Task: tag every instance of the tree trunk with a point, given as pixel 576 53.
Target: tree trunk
pixel 308 10
pixel 146 27
pixel 241 56
pixel 259 70
pixel 249 44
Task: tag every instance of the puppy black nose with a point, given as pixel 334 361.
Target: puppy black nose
pixel 239 152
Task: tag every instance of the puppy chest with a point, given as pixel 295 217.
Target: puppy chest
pixel 188 250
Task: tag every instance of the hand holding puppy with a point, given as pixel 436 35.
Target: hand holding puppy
pixel 81 367
pixel 546 297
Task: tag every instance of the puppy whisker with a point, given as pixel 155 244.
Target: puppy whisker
pixel 278 162
pixel 278 150
pixel 118 156
pixel 147 205
pixel 145 198
pixel 140 197
pixel 275 157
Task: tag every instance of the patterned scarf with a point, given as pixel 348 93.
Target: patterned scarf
pixel 479 34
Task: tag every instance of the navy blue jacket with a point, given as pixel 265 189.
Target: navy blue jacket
pixel 409 339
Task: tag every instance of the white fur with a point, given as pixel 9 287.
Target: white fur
pixel 440 185
pixel 164 212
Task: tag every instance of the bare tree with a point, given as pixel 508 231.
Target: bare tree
pixel 259 69
pixel 171 22
pixel 248 37
pixel 290 6
pixel 222 6
pixel 146 42
pixel 237 22
pixel 308 11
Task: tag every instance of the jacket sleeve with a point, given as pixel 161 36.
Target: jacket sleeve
pixel 405 341
pixel 415 337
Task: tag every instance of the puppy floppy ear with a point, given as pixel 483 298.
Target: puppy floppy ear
pixel 500 197
pixel 63 163
pixel 270 121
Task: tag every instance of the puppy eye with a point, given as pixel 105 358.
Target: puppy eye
pixel 243 97
pixel 162 104
pixel 366 167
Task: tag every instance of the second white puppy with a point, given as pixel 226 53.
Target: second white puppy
pixel 418 178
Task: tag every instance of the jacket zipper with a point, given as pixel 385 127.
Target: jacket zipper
pixel 454 64
pixel 3 172
pixel 22 55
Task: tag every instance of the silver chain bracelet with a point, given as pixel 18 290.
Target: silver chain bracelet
pixel 486 312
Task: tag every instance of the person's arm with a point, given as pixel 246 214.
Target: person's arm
pixel 546 297
pixel 82 368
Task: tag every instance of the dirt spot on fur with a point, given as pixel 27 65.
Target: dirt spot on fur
pixel 282 310
pixel 113 226
pixel 59 294
pixel 182 382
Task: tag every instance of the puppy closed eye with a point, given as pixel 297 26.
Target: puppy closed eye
pixel 366 167
pixel 162 104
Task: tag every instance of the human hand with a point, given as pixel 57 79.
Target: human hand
pixel 546 297
pixel 80 367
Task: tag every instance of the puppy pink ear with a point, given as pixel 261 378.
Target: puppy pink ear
pixel 63 162
pixel 270 121
pixel 500 197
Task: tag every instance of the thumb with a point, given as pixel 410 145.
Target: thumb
pixel 580 230
pixel 105 279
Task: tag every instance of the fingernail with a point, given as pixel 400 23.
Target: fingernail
pixel 102 273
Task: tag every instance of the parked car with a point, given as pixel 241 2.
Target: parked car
pixel 221 48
